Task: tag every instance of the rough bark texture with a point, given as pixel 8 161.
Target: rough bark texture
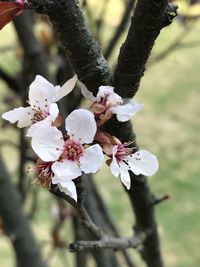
pixel 16 224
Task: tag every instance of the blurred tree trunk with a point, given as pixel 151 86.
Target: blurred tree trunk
pixel 16 224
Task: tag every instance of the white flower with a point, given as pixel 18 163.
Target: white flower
pixel 107 100
pixel 42 100
pixel 141 162
pixel 70 156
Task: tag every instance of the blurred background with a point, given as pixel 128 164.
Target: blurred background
pixel 167 126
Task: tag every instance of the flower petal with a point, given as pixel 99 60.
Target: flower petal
pixel 114 100
pixel 66 88
pixel 81 126
pixel 33 128
pixel 86 93
pixel 68 188
pixel 42 93
pixel 124 174
pixel 126 111
pixel 104 91
pixel 21 114
pixel 92 159
pixel 48 143
pixel 114 167
pixel 53 111
pixel 65 170
pixel 143 162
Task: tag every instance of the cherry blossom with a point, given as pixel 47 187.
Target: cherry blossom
pixel 69 154
pixel 141 162
pixel 107 103
pixel 42 100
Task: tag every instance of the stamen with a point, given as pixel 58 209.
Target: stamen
pixel 73 150
pixel 44 173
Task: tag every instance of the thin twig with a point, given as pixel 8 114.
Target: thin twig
pixel 161 199
pixel 109 242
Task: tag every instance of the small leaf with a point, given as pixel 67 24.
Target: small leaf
pixel 8 10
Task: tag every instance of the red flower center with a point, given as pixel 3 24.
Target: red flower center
pixel 73 150
pixel 123 151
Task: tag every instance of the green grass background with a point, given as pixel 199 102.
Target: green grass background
pixel 169 126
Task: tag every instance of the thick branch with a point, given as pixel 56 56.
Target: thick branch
pixel 149 18
pixel 78 43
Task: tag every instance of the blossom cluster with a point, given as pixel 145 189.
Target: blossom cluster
pixel 62 157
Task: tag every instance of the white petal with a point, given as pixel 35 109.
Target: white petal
pixel 114 167
pixel 104 91
pixel 53 111
pixel 81 126
pixel 143 162
pixel 22 115
pixel 66 88
pixel 86 93
pixel 41 93
pixel 124 175
pixel 65 170
pixel 92 159
pixel 114 100
pixel 48 143
pixel 126 111
pixel 33 128
pixel 68 188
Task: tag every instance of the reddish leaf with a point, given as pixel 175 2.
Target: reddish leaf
pixel 8 10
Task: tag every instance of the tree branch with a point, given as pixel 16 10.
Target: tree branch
pixel 109 242
pixel 104 240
